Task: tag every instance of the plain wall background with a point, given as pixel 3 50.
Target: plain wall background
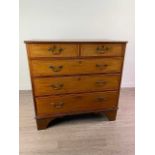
pixel 77 20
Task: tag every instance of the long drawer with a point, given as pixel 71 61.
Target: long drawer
pixel 53 50
pixel 63 85
pixel 78 66
pixel 102 49
pixel 76 103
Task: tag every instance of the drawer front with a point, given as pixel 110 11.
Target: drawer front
pixel 102 50
pixel 62 85
pixel 76 103
pixel 70 67
pixel 53 50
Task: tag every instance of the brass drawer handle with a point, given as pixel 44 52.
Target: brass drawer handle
pixel 57 86
pixel 55 51
pixel 101 49
pixel 100 83
pixel 58 105
pixel 101 66
pixel 56 68
pixel 100 99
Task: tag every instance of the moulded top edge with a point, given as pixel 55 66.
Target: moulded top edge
pixel 71 41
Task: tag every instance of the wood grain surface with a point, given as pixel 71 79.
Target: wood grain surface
pixel 78 66
pixel 102 49
pixel 76 103
pixel 75 84
pixel 58 68
pixel 53 50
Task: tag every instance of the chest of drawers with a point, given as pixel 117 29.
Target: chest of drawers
pixel 75 77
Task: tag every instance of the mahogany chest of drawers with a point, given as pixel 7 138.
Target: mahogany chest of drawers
pixel 75 77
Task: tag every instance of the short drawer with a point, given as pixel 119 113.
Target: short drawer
pixel 71 67
pixel 63 85
pixel 53 50
pixel 76 103
pixel 102 49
